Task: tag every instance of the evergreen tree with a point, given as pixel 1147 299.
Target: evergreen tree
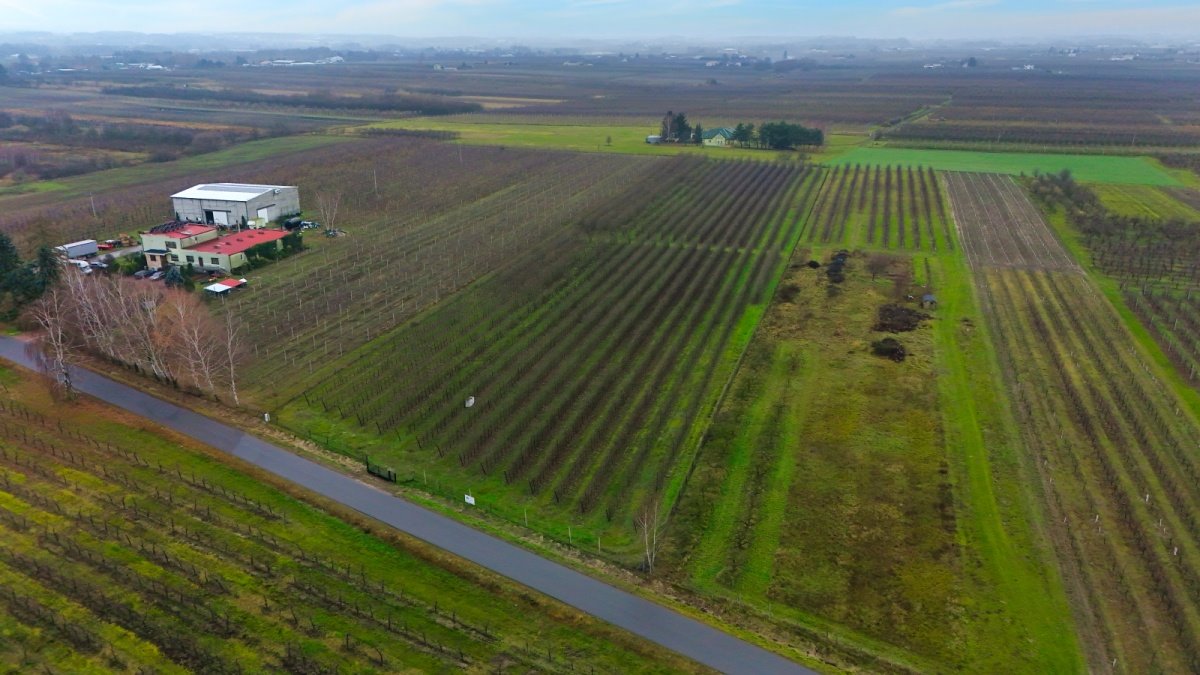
pixel 740 134
pixel 682 130
pixel 10 259
pixel 173 277
pixel 698 135
pixel 48 268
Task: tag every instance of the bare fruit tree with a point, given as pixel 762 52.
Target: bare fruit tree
pixel 879 263
pixel 327 205
pixel 650 525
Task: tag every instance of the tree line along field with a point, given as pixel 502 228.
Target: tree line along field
pixel 1111 442
pixel 890 207
pixel 125 550
pixel 591 360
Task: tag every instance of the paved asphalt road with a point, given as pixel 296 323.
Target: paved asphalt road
pixel 654 622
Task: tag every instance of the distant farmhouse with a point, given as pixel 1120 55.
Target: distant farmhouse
pixel 719 137
pixel 236 204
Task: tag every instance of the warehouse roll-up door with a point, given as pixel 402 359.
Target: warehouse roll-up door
pixel 221 217
pixel 264 213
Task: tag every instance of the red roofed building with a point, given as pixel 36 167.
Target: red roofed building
pixel 163 243
pixel 228 252
pixel 180 243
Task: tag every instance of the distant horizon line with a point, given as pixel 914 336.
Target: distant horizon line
pixel 567 42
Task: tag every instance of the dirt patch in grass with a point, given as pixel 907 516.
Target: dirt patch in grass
pixel 894 318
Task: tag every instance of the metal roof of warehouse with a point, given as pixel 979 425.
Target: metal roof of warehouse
pixel 228 192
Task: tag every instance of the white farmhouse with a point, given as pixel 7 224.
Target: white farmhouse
pixel 236 204
pixel 718 137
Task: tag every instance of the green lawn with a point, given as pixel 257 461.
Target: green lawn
pixel 1091 168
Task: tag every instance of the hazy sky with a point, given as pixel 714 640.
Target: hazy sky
pixel 615 18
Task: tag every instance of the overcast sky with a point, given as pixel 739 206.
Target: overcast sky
pixel 548 19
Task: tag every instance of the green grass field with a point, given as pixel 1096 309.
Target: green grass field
pixel 124 548
pixel 1090 168
pixel 587 138
pixel 1144 201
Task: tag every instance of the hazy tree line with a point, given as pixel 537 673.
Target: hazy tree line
pixel 675 128
pixel 776 135
pixel 156 330
pixel 57 127
pixel 392 102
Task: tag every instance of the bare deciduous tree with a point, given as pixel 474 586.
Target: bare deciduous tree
pixel 167 333
pixel 233 352
pixel 327 205
pixel 650 525
pixel 199 341
pixel 56 346
pixel 879 263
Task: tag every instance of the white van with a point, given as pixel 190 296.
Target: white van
pixel 82 265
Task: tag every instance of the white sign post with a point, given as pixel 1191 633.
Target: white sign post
pixel 469 499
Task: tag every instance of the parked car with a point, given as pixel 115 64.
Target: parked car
pixel 142 274
pixel 81 265
pixel 309 224
pixel 98 265
pixel 157 275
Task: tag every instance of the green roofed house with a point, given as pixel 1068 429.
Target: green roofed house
pixel 719 137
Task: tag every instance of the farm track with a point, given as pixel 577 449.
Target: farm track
pixel 1114 449
pixel 587 382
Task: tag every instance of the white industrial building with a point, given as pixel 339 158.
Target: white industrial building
pixel 236 204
